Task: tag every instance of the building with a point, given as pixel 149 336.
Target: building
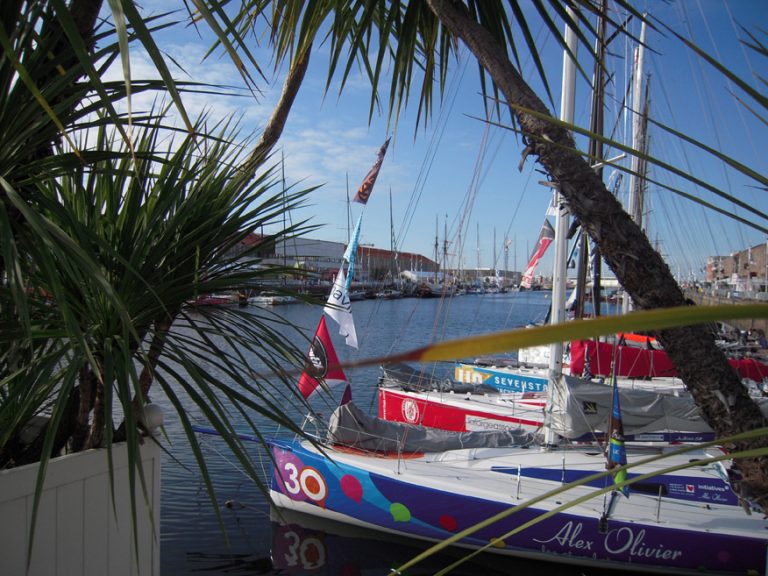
pixel 321 259
pixel 743 271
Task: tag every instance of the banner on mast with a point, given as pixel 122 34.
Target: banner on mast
pixel 546 236
pixel 322 366
pixel 617 453
pixel 364 192
pixel 350 254
pixel 339 307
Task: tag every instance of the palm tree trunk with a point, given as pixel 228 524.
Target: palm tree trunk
pixel 96 434
pixel 716 388
pixel 276 123
pixel 87 386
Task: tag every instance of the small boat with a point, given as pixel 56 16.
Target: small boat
pixel 412 396
pixel 271 299
pixel 357 295
pixel 214 300
pixel 389 294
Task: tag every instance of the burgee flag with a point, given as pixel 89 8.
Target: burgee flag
pixel 364 192
pixel 322 366
pixel 339 307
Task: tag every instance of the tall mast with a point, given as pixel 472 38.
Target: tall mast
pixel 460 256
pixel 282 178
pixel 514 254
pixel 494 251
pixel 561 221
pixel 445 248
pixel 393 247
pixel 349 214
pixel 507 242
pixel 477 272
pixel 634 208
pixel 437 252
pixel 596 157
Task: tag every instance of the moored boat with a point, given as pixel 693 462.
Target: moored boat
pixel 677 522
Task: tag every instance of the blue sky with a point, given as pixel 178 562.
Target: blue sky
pixel 461 175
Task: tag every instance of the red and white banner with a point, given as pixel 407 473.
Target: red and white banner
pixel 546 236
pixel 364 192
pixel 322 367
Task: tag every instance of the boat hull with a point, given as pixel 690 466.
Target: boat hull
pixel 461 412
pixel 429 500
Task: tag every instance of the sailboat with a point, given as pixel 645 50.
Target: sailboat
pixel 677 522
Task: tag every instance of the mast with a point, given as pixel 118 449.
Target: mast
pixel 477 270
pixel 282 178
pixel 561 220
pixel 507 242
pixel 437 253
pixel 494 251
pixel 349 214
pixel 514 255
pixel 596 157
pixel 459 263
pixel 635 209
pixel 392 244
pixel 445 248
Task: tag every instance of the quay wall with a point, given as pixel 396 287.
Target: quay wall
pixel 704 299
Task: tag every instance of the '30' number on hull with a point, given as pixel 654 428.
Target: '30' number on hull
pixel 307 481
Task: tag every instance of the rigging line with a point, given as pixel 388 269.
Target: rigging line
pixel 686 160
pixel 731 89
pixel 431 153
pixel 741 45
pixel 470 196
pixel 704 94
pixel 693 237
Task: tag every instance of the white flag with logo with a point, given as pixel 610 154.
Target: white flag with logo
pixel 339 307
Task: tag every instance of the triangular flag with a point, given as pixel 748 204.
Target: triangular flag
pixel 322 366
pixel 339 307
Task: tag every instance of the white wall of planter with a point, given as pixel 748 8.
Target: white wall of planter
pixel 78 529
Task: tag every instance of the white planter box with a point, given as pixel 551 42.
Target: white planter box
pixel 78 530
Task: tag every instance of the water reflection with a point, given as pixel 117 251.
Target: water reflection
pixel 307 545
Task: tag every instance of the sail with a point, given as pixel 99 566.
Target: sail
pixel 322 363
pixel 364 192
pixel 546 236
pixel 339 307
